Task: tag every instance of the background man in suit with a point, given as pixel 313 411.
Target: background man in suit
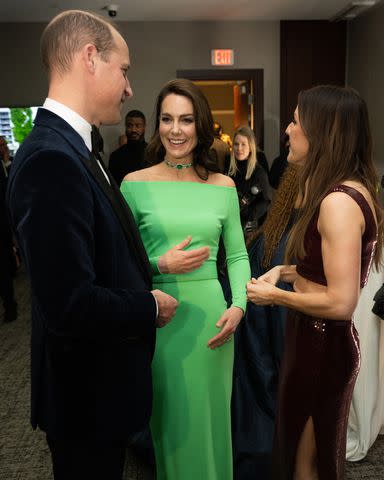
pixel 130 156
pixel 220 150
pixel 7 257
pixel 135 123
pixel 93 312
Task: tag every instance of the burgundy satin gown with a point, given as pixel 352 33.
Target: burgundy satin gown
pixel 319 367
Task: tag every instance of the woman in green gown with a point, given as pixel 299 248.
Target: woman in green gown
pixel 182 208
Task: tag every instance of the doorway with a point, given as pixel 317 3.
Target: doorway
pixel 236 97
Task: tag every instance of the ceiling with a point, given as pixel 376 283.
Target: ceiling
pixel 176 10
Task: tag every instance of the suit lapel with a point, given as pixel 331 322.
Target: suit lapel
pixel 112 192
pixel 122 210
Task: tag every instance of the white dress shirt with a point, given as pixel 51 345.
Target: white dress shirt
pixel 76 121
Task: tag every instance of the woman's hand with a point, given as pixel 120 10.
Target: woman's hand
pixel 176 260
pixel 260 292
pixel 272 276
pixel 228 323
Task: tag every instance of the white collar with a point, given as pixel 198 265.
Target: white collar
pixel 81 126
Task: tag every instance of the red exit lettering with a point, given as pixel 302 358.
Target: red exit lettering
pixel 222 57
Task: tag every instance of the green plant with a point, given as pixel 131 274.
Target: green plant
pixel 21 123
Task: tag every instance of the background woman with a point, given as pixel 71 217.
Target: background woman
pixel 334 241
pixel 181 200
pixel 259 343
pixel 249 170
pixel 366 416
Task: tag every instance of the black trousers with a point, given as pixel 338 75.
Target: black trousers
pixel 7 271
pixel 85 459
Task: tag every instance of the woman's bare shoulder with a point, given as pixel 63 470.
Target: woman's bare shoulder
pixel 337 199
pixel 363 190
pixel 340 212
pixel 344 205
pixel 142 175
pixel 221 180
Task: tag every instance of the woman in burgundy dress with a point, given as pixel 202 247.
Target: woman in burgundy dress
pixel 334 239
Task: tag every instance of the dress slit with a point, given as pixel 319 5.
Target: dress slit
pixel 284 468
pixel 319 370
pixel 321 362
pixel 308 434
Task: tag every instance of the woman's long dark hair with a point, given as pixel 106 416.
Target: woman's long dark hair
pixel 155 151
pixel 335 122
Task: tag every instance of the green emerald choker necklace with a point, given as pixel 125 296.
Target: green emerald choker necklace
pixel 179 166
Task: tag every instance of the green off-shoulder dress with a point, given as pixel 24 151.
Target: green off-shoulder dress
pixel 191 425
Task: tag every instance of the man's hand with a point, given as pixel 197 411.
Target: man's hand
pixel 167 307
pixel 176 260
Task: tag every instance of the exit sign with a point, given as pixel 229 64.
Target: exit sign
pixel 222 57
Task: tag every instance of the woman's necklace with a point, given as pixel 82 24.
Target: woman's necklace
pixel 178 166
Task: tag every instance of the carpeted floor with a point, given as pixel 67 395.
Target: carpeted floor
pixel 24 454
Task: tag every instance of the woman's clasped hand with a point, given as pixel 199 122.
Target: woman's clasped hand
pixel 260 291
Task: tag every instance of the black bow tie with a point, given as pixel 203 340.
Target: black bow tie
pixel 97 141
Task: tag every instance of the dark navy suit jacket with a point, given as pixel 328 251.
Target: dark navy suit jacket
pixel 93 316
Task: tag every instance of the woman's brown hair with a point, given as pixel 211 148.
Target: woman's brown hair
pixel 155 151
pixel 336 124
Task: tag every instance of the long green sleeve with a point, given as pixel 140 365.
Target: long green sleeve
pixel 239 271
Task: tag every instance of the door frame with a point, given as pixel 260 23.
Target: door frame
pixel 256 78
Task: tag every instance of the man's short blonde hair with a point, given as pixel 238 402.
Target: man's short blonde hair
pixel 68 32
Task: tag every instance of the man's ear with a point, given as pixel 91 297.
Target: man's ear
pixel 90 57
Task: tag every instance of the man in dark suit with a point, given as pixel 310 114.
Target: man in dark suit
pixel 220 150
pixel 7 257
pixel 130 156
pixel 93 312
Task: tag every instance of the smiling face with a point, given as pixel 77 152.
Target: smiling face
pixel 241 148
pixel 177 128
pixel 297 141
